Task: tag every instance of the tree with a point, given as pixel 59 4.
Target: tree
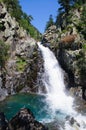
pixel 65 5
pixel 49 23
pixel 82 24
pixel 79 1
pixel 29 18
pixel 14 8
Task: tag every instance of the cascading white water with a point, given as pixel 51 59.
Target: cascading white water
pixel 56 98
pixel 54 82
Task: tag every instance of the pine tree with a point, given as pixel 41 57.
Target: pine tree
pixel 14 8
pixel 80 2
pixel 65 5
pixel 50 22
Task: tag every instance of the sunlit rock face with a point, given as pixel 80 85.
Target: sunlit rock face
pixel 68 44
pixel 21 67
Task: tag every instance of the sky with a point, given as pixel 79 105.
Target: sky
pixel 40 11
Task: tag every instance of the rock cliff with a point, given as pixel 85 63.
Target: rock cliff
pixel 21 66
pixel 69 45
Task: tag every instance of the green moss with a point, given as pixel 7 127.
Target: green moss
pixel 20 64
pixel 84 46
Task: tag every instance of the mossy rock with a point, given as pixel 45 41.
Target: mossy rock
pixel 20 64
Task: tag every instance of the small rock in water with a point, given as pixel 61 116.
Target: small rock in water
pixel 72 121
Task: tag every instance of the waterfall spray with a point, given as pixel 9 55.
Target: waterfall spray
pixel 53 80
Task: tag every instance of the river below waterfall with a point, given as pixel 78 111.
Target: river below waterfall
pixel 54 107
pixel 36 103
pixel 42 112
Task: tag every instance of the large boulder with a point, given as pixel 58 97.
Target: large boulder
pixel 24 120
pixel 3 122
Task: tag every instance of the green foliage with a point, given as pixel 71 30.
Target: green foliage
pixel 84 47
pixel 65 16
pixel 3 53
pixel 24 20
pixel 79 2
pixel 49 23
pixel 64 5
pixel 14 8
pixel 28 18
pixel 1 0
pixel 20 64
pixel 59 19
pixel 24 24
pixel 34 32
pixel 82 24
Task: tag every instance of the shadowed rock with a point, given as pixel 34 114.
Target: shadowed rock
pixel 24 120
pixel 3 122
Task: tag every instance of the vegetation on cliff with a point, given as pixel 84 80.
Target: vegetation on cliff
pixel 50 22
pixel 18 67
pixel 69 40
pixel 14 8
pixel 65 13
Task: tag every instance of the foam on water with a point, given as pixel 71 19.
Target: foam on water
pixel 53 80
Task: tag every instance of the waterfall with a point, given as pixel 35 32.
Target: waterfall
pixel 53 80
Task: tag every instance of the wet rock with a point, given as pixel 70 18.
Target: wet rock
pixel 24 120
pixel 50 36
pixel 74 123
pixel 3 94
pixel 3 122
